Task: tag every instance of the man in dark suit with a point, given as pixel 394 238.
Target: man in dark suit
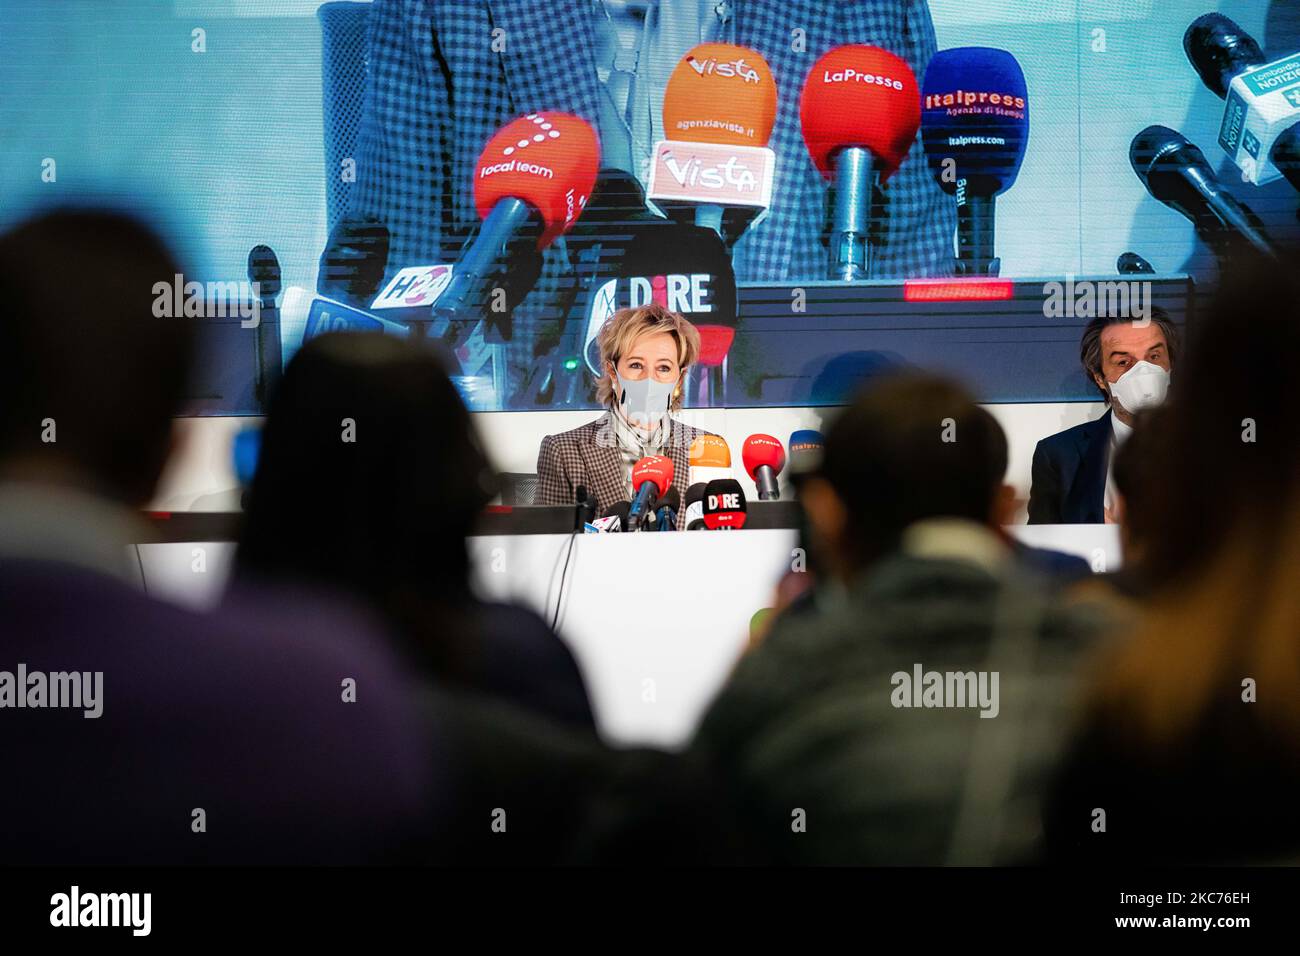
pixel 133 731
pixel 1129 361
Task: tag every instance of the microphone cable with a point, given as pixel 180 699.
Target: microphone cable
pixel 582 500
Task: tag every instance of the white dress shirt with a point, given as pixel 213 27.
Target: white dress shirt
pixel 1119 433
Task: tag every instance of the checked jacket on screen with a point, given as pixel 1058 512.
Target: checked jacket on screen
pixel 439 87
pixel 589 455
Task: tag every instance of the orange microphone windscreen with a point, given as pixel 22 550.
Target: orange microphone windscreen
pixel 710 451
pixel 860 96
pixel 548 160
pixel 720 93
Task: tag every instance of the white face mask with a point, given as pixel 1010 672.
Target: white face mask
pixel 1143 386
pixel 645 401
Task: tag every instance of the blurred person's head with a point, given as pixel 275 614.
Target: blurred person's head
pixel 645 352
pixel 90 374
pixel 1220 535
pixel 1129 360
pixel 840 378
pixel 912 446
pixel 370 474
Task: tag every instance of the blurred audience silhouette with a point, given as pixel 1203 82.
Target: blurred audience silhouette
pixel 220 738
pixel 830 748
pixel 1189 748
pixel 369 479
pixel 938 695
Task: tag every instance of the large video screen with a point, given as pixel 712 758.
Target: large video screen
pixel 913 181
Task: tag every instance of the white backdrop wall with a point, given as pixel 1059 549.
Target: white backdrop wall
pixel 201 475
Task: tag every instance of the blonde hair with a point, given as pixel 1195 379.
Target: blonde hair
pixel 625 326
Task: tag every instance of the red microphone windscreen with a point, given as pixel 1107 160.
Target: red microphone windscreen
pixel 548 160
pixel 860 96
pixel 656 468
pixel 720 93
pixel 762 450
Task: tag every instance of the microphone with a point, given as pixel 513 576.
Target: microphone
pixel 616 211
pixel 414 287
pixel 651 477
pixel 724 505
pixel 264 271
pixel 709 457
pixel 764 458
pixel 975 127
pixel 860 110
pixel 1220 50
pixel 686 269
pixel 695 507
pixel 721 93
pixel 1258 130
pixel 354 260
pixel 719 108
pixel 317 315
pixel 1132 264
pixel 666 510
pixel 807 446
pixel 614 519
pixel 532 180
pixel 585 507
pixel 1175 172
pixel 265 275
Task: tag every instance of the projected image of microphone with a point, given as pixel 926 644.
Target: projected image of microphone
pixel 1177 173
pixel 1132 264
pixel 685 269
pixel 651 477
pixel 764 457
pixel 530 186
pixel 715 166
pixel 725 508
pixel 859 110
pixel 975 127
pixel 354 261
pixel 1259 122
pixel 265 276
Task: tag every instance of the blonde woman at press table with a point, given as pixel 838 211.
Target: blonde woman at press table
pixel 645 353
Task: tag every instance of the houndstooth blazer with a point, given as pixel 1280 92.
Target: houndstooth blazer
pixel 589 455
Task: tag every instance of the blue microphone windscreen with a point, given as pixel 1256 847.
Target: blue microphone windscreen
pixel 244 452
pixel 806 448
pixel 806 439
pixel 975 112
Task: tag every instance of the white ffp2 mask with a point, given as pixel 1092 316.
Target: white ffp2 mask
pixel 1145 385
